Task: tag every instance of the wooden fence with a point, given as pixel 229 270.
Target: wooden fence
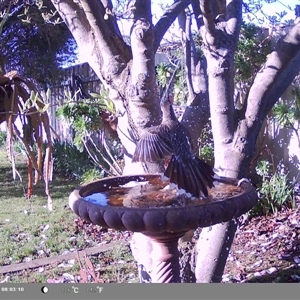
pixel 59 95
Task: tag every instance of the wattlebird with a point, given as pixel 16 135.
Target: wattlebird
pixel 171 139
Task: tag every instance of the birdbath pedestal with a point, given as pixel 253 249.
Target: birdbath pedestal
pixel 163 223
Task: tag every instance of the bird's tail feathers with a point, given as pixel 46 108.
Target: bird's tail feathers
pixel 206 171
pixel 193 177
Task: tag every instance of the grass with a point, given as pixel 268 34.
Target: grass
pixel 29 231
pixel 113 266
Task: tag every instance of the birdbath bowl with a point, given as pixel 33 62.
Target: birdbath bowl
pixel 143 203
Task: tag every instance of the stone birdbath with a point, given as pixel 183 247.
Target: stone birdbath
pixel 147 204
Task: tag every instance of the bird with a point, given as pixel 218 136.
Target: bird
pixel 172 139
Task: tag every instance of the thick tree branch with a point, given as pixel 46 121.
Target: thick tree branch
pixel 273 79
pixel 142 41
pixel 91 32
pixel 111 21
pixel 166 20
pixel 195 116
pixel 234 17
pixel 97 15
pixel 143 69
pixel 77 22
pixel 196 113
pixel 197 12
pixel 208 17
pixel 116 34
pixel 220 35
pixel 284 81
pixel 213 246
pixel 75 19
pixel 219 52
pixel 219 8
pixel 186 38
pixel 269 84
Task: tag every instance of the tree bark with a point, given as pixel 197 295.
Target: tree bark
pixel 212 250
pixel 196 114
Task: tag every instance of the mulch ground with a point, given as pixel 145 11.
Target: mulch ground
pixel 265 248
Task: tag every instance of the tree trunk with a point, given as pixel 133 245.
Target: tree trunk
pixel 212 250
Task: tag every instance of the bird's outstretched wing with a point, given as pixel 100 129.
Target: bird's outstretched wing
pixel 153 146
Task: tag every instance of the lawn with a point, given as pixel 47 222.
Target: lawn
pixel 28 231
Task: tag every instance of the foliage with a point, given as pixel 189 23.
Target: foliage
pixel 87 269
pixel 89 117
pixel 84 114
pixel 207 154
pixel 70 162
pixel 251 53
pixel 2 138
pixel 206 144
pixel 255 13
pixel 180 88
pixel 163 75
pixel 91 175
pixel 20 149
pixel 275 191
pixel 19 100
pixel 32 36
pixel 287 114
pixel 198 43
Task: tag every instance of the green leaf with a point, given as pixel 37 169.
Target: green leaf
pixel 96 95
pixel 110 105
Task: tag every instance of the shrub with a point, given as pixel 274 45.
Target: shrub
pixel 91 175
pixel 206 145
pixel 275 191
pixel 69 161
pixel 2 138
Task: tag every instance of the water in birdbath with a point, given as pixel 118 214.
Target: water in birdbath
pixel 156 192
